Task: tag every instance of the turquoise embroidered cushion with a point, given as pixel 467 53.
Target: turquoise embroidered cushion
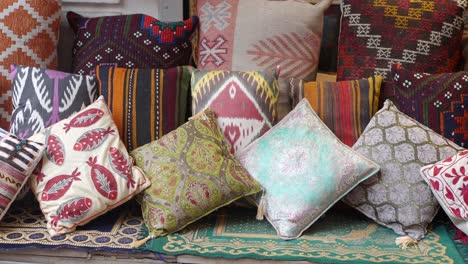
pixel 304 169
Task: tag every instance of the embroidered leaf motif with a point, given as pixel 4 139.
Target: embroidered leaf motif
pixel 297 55
pixel 42 94
pixel 70 92
pixel 101 179
pixel 84 119
pixel 121 165
pixel 55 150
pixel 20 83
pixel 60 185
pixel 92 139
pixel 449 194
pixel 72 210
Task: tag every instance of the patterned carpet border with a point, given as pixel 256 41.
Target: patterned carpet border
pixel 336 238
pixel 25 227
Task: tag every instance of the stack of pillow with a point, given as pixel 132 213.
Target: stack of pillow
pixel 387 138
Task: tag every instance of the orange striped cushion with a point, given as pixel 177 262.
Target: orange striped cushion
pixel 145 103
pixel 346 107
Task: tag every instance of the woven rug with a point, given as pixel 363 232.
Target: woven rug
pixel 24 226
pixel 341 236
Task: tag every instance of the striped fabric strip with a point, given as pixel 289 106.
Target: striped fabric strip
pixel 346 107
pixel 145 103
pixel 18 158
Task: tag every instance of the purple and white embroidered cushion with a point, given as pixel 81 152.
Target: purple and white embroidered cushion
pixel 42 97
pixel 304 169
pixel 448 180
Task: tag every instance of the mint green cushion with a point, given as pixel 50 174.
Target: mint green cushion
pixel 304 169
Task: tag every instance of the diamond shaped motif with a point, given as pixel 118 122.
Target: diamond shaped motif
pixel 424 35
pixel 237 98
pixel 42 45
pixel 36 22
pixel 20 22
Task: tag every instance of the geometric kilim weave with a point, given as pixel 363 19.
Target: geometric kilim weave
pixel 28 36
pixel 18 158
pixel 439 101
pixel 422 35
pixel 130 41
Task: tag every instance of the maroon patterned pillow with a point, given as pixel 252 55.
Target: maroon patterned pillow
pixel 130 41
pixel 424 36
pixel 439 101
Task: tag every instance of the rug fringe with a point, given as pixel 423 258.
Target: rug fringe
pixel 141 242
pixel 405 242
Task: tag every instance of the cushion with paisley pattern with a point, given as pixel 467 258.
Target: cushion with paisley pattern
pixel 192 172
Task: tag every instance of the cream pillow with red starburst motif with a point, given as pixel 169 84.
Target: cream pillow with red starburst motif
pixel 85 170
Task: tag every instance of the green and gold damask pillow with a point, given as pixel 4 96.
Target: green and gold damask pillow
pixel 192 172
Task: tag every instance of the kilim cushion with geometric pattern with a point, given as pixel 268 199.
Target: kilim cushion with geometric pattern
pixel 424 36
pixel 439 101
pixel 258 35
pixel 244 102
pixel 345 107
pixel 465 41
pixel 18 158
pixel 145 103
pixel 130 41
pixel 398 197
pixel 28 36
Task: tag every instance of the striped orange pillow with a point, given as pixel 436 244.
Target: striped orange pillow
pixel 145 103
pixel 346 107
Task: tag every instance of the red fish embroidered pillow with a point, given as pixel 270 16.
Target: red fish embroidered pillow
pixel 85 170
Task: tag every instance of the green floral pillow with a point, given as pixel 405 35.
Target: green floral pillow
pixel 192 172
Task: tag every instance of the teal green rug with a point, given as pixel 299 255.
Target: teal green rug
pixel 341 236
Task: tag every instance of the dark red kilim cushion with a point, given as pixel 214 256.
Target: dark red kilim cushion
pixel 439 101
pixel 130 41
pixel 424 36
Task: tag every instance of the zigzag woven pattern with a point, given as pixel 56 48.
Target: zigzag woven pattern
pixel 28 36
pixel 130 41
pixel 422 35
pixel 439 101
pixel 17 160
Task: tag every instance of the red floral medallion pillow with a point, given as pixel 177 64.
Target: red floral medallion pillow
pixel 448 180
pixel 85 170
